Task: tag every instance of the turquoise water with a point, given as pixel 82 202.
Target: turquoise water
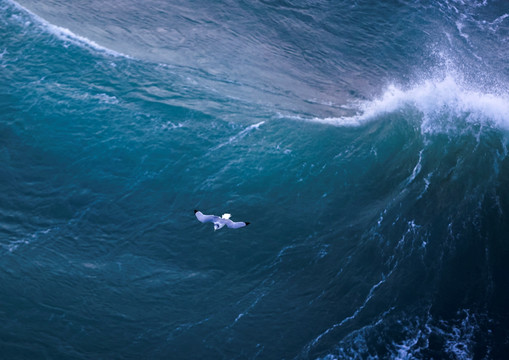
pixel 366 142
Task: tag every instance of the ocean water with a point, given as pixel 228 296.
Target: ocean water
pixel 365 141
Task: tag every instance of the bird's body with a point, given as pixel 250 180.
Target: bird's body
pixel 219 222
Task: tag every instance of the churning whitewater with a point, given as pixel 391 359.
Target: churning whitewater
pixel 366 143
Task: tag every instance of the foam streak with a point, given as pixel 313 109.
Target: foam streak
pixel 66 34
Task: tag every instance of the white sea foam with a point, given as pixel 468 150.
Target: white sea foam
pixel 66 34
pixel 240 135
pixel 14 245
pixel 315 341
pixel 2 63
pixel 106 99
pixel 431 98
pixel 417 169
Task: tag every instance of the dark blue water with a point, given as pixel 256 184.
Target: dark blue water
pixel 365 141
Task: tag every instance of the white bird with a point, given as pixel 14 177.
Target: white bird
pixel 219 222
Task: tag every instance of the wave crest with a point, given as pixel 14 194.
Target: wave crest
pixel 442 99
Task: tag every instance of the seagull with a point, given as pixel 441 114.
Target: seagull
pixel 219 222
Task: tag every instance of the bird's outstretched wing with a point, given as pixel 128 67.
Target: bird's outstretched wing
pixel 205 218
pixel 235 224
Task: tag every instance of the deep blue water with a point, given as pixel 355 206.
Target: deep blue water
pixel 365 141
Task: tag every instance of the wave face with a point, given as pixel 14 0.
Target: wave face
pixel 366 142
